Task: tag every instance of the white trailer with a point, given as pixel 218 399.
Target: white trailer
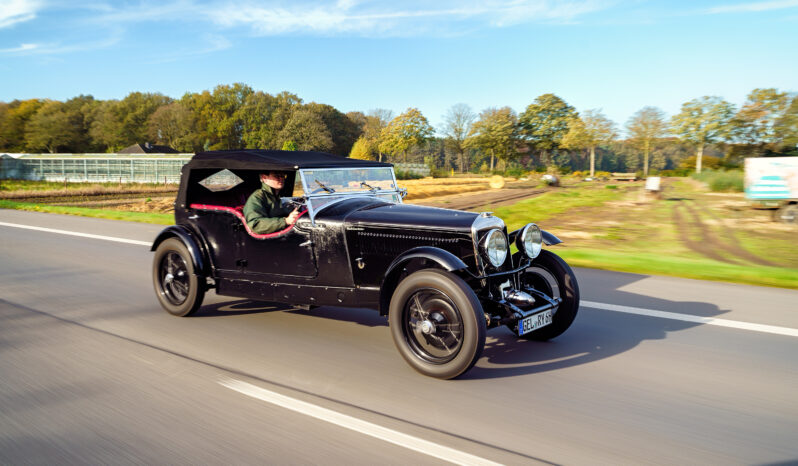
pixel 773 182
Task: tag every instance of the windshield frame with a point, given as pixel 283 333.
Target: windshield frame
pixel 308 182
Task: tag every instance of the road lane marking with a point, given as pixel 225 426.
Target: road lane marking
pixel 792 332
pixel 358 425
pixel 74 233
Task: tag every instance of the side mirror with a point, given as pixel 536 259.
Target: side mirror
pixel 403 192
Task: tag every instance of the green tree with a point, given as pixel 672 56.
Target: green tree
pixel 787 125
pixel 409 129
pixel 588 132
pixel 13 122
pixel 457 124
pixel 545 122
pixel 289 145
pixel 173 125
pixel 121 123
pixel 50 128
pixel 644 128
pixel 703 121
pixel 307 130
pixel 495 133
pixel 343 131
pixel 263 117
pixel 757 121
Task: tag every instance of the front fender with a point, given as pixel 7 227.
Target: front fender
pixel 442 258
pixel 189 239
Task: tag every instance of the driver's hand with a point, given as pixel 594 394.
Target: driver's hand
pixel 292 217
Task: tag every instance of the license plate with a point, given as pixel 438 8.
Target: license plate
pixel 534 322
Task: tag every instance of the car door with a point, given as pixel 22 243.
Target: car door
pixel 288 255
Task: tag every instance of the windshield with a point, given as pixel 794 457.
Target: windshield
pixel 347 180
pixel 326 186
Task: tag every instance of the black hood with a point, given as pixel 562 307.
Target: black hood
pixel 412 217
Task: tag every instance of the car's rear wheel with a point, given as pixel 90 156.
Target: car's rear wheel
pixel 437 323
pixel 552 276
pixel 177 286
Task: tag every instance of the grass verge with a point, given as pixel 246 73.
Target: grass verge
pixel 698 268
pixel 142 217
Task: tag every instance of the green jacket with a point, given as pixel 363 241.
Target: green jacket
pixel 263 211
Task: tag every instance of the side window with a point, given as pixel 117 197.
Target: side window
pixel 223 180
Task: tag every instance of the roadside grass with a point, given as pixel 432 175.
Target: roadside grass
pixel 31 185
pixel 550 204
pixel 142 217
pixel 663 264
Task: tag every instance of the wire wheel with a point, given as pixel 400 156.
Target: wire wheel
pixel 433 326
pixel 178 286
pixel 173 275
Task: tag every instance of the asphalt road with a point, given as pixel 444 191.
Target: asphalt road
pixel 92 371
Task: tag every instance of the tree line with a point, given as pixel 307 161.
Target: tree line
pixel 548 135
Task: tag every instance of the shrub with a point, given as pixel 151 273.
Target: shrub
pixel 515 172
pixel 611 186
pixel 408 175
pixel 722 181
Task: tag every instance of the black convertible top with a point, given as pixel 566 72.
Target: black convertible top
pixel 257 159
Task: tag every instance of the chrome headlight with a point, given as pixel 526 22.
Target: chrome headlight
pixel 495 247
pixel 530 241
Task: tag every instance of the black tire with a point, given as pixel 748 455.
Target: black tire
pixel 787 213
pixel 551 275
pixel 178 288
pixel 451 315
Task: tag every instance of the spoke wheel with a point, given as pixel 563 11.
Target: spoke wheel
pixel 437 323
pixel 433 326
pixel 177 286
pixel 550 275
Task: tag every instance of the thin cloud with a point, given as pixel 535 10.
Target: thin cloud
pixel 18 11
pixel 352 17
pixel 215 43
pixel 21 48
pixel 58 48
pixel 754 7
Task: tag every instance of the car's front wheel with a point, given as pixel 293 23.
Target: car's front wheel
pixel 437 323
pixel 550 274
pixel 177 286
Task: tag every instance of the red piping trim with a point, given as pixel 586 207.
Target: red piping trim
pixel 237 212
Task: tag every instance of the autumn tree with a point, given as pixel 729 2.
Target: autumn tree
pixel 545 122
pixel 495 133
pixel 50 128
pixel 644 128
pixel 588 132
pixel 703 121
pixel 409 129
pixel 13 121
pixel 787 125
pixel 342 130
pixel 307 131
pixel 756 123
pixel 120 123
pixel 173 125
pixel 457 124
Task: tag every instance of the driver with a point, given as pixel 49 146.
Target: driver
pixel 263 211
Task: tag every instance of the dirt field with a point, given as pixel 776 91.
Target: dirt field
pixel 685 219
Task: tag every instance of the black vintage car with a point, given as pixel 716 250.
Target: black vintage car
pixel 443 277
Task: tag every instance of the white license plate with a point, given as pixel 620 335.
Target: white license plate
pixel 534 322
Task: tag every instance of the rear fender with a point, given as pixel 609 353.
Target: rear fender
pixel 439 258
pixel 191 242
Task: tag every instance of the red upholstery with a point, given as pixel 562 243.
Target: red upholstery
pixel 238 212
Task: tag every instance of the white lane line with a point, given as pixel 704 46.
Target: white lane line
pixel 792 332
pixel 74 233
pixel 397 438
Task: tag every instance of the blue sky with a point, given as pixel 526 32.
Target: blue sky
pixel 613 55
